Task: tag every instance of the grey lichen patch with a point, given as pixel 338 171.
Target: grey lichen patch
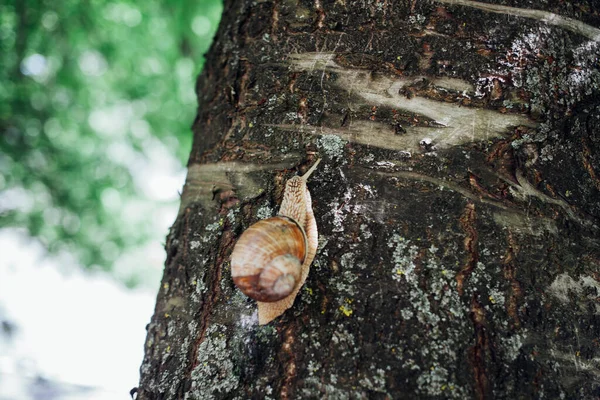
pixel 172 352
pixel 347 261
pixel 583 77
pixel 375 381
pixel 568 290
pixel 417 20
pixel 365 232
pixel 480 275
pixel 332 146
pixel 436 308
pixel 264 211
pixel 442 282
pixel 433 380
pixel 215 226
pixel 345 340
pixel 314 384
pixel 497 297
pixel 231 216
pixel 545 80
pixel 344 284
pixel 511 345
pixel 313 367
pixel 212 231
pixel 403 259
pixel 437 382
pixel 443 287
pixel 214 375
pixel 199 287
pixel 339 210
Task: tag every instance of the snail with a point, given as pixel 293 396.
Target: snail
pixel 271 259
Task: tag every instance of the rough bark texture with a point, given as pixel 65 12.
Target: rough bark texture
pixel 457 203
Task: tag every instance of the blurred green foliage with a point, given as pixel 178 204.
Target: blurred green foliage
pixel 87 90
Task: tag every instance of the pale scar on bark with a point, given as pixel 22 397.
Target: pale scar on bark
pixel 453 124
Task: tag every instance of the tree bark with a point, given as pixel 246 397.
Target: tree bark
pixel 457 204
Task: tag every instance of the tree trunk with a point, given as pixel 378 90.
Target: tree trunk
pixel 457 203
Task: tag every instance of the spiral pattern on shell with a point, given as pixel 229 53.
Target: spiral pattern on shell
pixel 267 259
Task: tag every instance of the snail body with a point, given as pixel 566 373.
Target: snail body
pixel 271 259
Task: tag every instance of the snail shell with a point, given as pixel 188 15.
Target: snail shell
pixel 272 258
pixel 268 257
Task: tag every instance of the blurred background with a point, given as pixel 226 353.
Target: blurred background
pixel 96 103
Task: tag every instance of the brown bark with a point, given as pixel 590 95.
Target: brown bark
pixel 457 204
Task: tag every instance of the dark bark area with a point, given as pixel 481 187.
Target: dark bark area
pixel 457 204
